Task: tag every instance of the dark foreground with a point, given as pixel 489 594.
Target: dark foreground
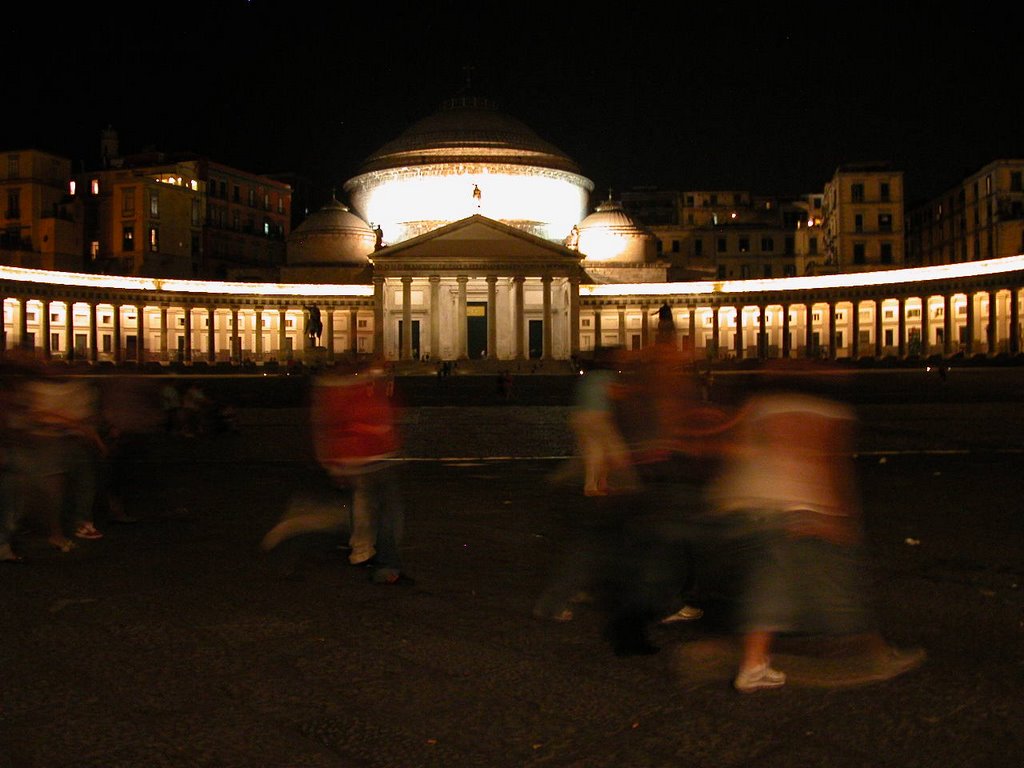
pixel 175 642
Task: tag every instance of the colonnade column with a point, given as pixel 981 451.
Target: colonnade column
pixel 257 341
pixel 574 316
pixel 163 333
pixel 3 332
pixel 435 316
pixel 878 329
pixel 492 317
pixel 737 343
pixel 809 329
pixel 353 331
pixel 461 319
pixel 117 334
pixel 692 328
pixel 762 334
pixel 23 323
pixel 1014 321
pixel 622 327
pixel 520 321
pixel 787 344
pixel 69 329
pixel 947 324
pixel 188 333
pixel 140 334
pixel 45 330
pixel 901 324
pixel 715 332
pixel 406 351
pixel 855 341
pixel 378 316
pixel 925 327
pixel 832 351
pixel 282 333
pixel 993 326
pixel 330 334
pixel 598 333
pixel 969 350
pixel 236 339
pixel 211 334
pixel 645 325
pixel 546 349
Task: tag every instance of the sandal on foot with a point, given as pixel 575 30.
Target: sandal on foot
pixel 64 545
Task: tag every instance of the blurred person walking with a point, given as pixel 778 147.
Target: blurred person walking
pixel 788 491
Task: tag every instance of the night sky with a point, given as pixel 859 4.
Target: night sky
pixel 715 98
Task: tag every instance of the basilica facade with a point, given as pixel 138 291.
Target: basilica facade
pixel 469 238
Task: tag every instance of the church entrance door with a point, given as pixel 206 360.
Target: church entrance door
pixel 476 330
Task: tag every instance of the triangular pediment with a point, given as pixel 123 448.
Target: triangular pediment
pixel 476 240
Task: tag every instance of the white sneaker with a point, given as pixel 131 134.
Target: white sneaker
pixel 686 613
pixel 757 678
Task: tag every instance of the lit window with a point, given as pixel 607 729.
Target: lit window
pixel 154 239
pixel 154 203
pixel 127 237
pixel 94 249
pixel 94 186
pixel 72 186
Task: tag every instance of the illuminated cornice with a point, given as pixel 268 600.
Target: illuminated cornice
pixel 161 285
pixel 819 282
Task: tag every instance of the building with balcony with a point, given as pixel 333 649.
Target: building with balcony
pixel 862 218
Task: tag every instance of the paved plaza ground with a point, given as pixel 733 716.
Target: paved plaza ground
pixel 176 642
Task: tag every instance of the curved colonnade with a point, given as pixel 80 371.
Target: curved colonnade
pixel 970 308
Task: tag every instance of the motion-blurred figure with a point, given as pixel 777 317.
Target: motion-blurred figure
pixel 355 440
pixel 788 490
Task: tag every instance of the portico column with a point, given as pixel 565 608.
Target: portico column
pixel 574 315
pixel 462 350
pixel 645 325
pixel 3 332
pixel 622 326
pixel 855 341
pixel 809 329
pixel 947 324
pixel 737 344
pixel 1014 321
pixel 378 316
pixel 519 280
pixel 878 329
pixel 762 333
pixel 901 317
pixel 546 284
pixel 691 324
pixel 435 316
pixel 330 334
pixel 257 342
pixel 117 334
pixel 163 332
pixel 353 331
pixel 406 352
pixel 787 344
pixel 45 330
pixel 211 334
pixel 492 317
pixel 188 333
pixel 993 324
pixel 925 327
pixel 236 339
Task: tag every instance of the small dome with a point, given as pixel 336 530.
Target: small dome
pixel 332 235
pixel 610 234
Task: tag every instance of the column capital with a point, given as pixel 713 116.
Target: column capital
pixel 435 279
pixel 406 280
pixel 462 279
pixel 492 279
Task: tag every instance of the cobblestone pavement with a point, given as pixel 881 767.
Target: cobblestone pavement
pixel 175 642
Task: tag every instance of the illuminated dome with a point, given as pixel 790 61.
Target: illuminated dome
pixel 332 235
pixel 468 158
pixel 609 234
